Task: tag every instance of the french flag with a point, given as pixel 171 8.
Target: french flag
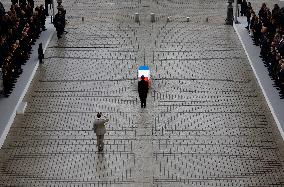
pixel 144 70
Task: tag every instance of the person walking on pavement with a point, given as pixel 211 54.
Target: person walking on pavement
pixel 40 53
pixel 100 130
pixel 59 22
pixel 143 91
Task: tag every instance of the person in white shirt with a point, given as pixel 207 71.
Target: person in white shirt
pixel 100 130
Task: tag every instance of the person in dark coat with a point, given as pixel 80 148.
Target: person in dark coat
pixel 239 3
pixel 59 23
pixel 40 53
pixel 281 73
pixel 15 2
pixel 244 8
pixel 46 3
pixel 257 31
pixel 262 14
pixel 23 2
pixel 143 88
pixel 280 46
pixel 42 17
pixel 31 3
pixel 276 13
pixel 2 10
pixel 248 14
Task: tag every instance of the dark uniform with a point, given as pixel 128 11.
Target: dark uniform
pixel 59 23
pixel 14 2
pixel 2 9
pixel 23 2
pixel 46 3
pixel 40 53
pixel 143 91
pixel 31 3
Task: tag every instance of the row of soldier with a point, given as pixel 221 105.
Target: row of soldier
pixel 19 29
pixel 267 30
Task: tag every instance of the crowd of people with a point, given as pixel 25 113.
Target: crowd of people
pixel 19 29
pixel 267 30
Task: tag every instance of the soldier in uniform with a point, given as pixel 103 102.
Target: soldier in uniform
pixel 2 10
pixel 46 3
pixel 42 18
pixel 31 3
pixel 1 83
pixel 40 53
pixel 17 61
pixel 15 2
pixel 59 23
pixel 8 80
pixel 23 2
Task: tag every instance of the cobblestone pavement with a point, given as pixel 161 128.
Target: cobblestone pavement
pixel 206 123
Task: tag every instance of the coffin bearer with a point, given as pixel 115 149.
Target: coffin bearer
pixel 100 130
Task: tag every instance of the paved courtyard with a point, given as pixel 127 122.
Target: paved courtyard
pixel 206 123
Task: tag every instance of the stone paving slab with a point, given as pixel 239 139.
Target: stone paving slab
pixel 206 122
